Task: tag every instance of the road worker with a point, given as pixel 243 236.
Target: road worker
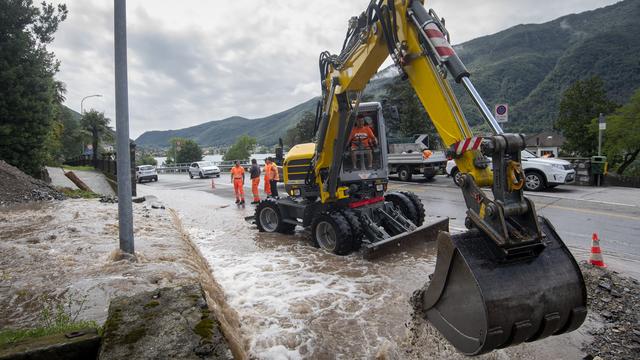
pixel 237 178
pixel 274 176
pixel 362 138
pixel 267 184
pixel 254 173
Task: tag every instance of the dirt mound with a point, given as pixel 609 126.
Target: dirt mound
pixel 18 187
pixel 617 300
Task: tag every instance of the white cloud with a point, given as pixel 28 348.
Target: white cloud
pixel 196 61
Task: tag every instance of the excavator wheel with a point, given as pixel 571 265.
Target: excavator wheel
pixel 404 204
pixel 481 301
pixel 269 218
pixel 417 203
pixel 331 231
pixel 356 228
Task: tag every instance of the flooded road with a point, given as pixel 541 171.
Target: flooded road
pixel 297 301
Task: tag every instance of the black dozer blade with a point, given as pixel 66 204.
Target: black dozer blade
pixel 425 233
pixel 479 302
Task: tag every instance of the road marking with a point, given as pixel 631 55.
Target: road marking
pixel 587 200
pixel 593 212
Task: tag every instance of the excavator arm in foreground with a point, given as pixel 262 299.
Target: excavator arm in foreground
pixel 510 278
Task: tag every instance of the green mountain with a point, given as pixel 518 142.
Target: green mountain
pixel 527 66
pixel 266 130
pixel 530 66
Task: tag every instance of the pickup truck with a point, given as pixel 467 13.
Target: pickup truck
pixel 410 158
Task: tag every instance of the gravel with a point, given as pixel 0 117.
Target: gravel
pixel 617 300
pixel 18 187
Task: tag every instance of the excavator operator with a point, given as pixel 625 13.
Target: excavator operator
pixel 362 139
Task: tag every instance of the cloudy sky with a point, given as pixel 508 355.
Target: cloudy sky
pixel 193 61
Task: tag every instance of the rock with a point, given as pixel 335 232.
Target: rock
pixel 138 200
pixel 605 285
pixel 157 205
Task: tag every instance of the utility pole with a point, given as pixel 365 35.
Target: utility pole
pixel 125 210
pixel 601 126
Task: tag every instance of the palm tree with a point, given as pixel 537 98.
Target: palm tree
pixel 97 126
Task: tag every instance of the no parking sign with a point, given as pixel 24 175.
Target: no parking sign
pixel 502 112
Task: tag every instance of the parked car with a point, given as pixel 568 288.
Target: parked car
pixel 146 172
pixel 203 169
pixel 540 173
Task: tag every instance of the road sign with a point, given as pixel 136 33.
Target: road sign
pixel 502 112
pixel 602 124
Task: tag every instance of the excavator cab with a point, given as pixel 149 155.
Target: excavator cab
pixel 363 156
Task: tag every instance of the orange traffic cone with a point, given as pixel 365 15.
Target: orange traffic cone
pixel 213 184
pixel 596 254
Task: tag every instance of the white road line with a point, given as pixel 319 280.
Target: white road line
pixel 587 200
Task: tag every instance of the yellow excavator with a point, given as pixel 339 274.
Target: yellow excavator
pixel 508 279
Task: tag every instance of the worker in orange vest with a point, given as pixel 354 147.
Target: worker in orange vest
pixel 254 173
pixel 267 184
pixel 274 176
pixel 237 178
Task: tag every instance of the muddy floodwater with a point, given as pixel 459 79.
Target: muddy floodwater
pixel 296 301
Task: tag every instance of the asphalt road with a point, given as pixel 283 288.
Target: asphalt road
pixel 576 212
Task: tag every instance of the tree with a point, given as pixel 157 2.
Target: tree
pixel 412 119
pixel 189 151
pixel 29 92
pixel 146 158
pixel 581 103
pixel 242 149
pixel 97 125
pixel 302 132
pixel 622 137
pixel 183 150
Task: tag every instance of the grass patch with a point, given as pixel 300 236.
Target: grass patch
pixel 77 193
pixel 84 167
pixel 56 317
pixel 12 336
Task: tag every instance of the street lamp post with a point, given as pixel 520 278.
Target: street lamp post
pixel 82 102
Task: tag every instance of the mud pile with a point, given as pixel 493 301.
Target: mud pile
pixel 18 187
pixel 617 300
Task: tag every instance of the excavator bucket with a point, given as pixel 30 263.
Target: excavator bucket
pixel 480 302
pixel 424 233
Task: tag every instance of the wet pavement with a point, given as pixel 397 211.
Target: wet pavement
pixel 296 301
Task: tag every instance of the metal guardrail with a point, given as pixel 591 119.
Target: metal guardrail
pixel 184 167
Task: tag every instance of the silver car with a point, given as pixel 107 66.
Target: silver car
pixel 203 169
pixel 146 172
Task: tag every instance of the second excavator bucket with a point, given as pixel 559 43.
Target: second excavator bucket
pixel 480 302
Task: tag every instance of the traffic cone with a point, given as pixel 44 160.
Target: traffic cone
pixel 596 254
pixel 213 184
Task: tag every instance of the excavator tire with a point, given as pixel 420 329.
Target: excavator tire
pixel 356 228
pixel 331 231
pixel 269 218
pixel 404 204
pixel 480 301
pixel 417 203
